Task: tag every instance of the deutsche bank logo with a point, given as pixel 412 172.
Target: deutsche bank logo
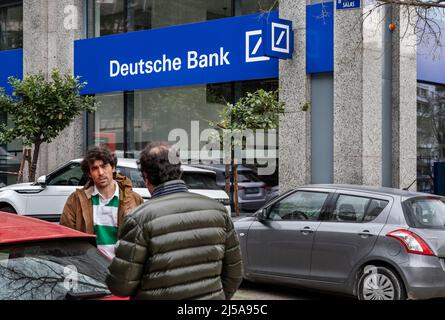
pixel 254 43
pixel 280 38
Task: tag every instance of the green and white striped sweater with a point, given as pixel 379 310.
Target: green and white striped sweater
pixel 105 221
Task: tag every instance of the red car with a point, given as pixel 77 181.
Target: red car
pixel 44 261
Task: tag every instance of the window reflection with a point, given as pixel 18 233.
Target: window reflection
pixel 430 133
pixel 40 271
pixel 120 16
pixel 11 27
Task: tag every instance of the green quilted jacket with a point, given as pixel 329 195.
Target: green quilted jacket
pixel 177 246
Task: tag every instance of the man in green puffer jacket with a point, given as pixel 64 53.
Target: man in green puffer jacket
pixel 178 245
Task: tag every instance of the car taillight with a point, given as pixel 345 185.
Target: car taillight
pixel 412 242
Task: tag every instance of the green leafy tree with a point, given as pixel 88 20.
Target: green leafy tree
pixel 258 110
pixel 40 109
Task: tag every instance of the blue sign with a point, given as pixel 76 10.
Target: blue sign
pixel 278 39
pixel 320 38
pixel 215 51
pixel 348 4
pixel 11 64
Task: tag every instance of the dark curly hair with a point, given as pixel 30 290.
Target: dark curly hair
pixel 97 153
pixel 155 165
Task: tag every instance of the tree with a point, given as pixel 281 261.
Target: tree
pixel 39 110
pixel 423 16
pixel 258 110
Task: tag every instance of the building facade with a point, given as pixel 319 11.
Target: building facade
pixel 350 114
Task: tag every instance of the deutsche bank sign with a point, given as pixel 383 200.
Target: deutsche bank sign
pixel 215 51
pixel 278 39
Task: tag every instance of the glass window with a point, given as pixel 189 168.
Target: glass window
pixel 427 213
pixel 196 180
pixel 120 16
pixel 159 111
pixel 374 209
pixel 10 158
pixel 254 6
pixel 135 176
pixel 39 271
pixel 247 176
pixel 430 137
pixel 350 209
pixel 301 205
pixel 109 122
pixel 70 175
pixel 11 26
pixel 357 209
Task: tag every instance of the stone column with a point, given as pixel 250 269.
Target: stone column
pixel 294 130
pixel 357 97
pixel 404 120
pixel 48 44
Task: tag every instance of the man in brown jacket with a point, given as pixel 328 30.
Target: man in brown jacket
pixel 100 206
pixel 177 245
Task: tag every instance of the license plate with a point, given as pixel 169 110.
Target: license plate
pixel 251 190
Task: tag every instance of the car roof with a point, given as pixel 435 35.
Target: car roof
pixel 371 189
pixel 19 229
pixel 132 163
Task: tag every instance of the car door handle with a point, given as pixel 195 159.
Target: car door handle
pixel 365 234
pixel 306 230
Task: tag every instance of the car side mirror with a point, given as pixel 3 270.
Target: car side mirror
pixel 262 214
pixel 42 181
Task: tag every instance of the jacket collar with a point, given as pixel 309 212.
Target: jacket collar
pixel 124 184
pixel 169 187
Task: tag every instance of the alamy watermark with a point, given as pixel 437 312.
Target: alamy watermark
pixel 213 146
pixel 71 17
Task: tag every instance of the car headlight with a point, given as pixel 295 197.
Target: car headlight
pixel 225 202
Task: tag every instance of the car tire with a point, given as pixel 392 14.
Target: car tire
pixel 379 283
pixel 6 208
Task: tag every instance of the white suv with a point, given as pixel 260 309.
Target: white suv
pixel 46 198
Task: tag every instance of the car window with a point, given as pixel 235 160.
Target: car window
pixel 49 270
pixel 70 175
pixel 135 176
pixel 301 205
pixel 374 209
pixel 247 176
pixel 427 212
pixel 198 180
pixel 357 209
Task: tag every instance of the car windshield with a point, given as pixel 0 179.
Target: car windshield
pixel 193 180
pixel 427 212
pixel 247 176
pixel 197 180
pixel 51 270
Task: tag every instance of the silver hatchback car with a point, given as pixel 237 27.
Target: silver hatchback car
pixel 373 243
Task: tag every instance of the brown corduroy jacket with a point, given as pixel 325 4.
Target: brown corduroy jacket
pixel 78 211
